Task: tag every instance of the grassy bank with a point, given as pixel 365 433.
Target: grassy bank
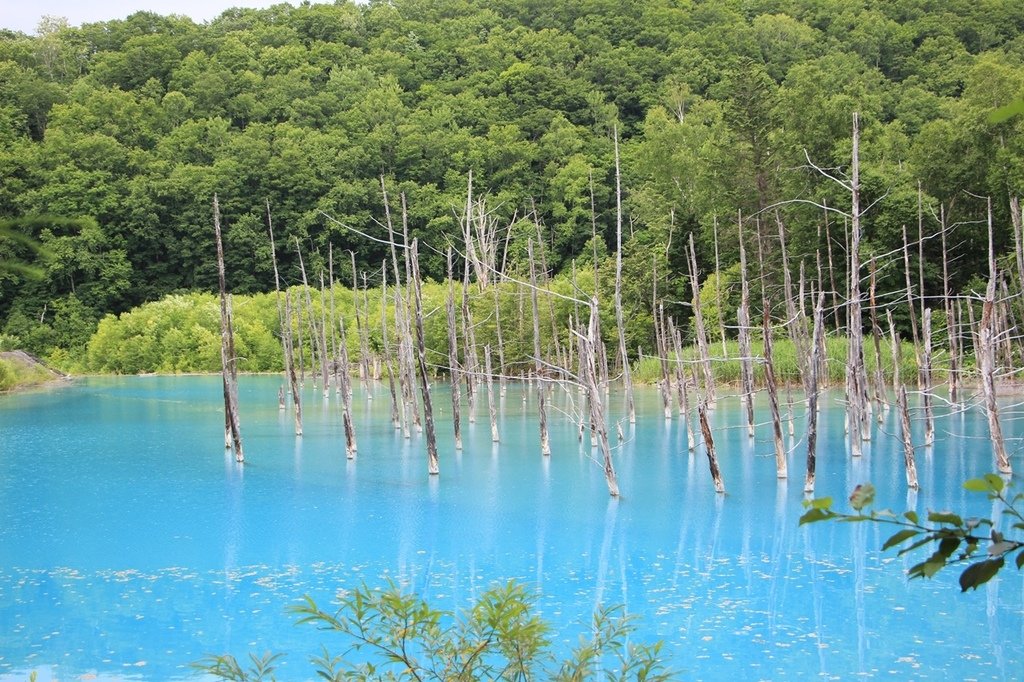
pixel 726 363
pixel 19 370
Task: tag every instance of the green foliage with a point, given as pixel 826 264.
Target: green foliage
pixel 15 374
pixel 394 635
pixel 726 365
pixel 951 539
pixel 129 126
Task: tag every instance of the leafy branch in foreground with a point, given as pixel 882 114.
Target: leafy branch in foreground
pixel 958 538
pixel 399 636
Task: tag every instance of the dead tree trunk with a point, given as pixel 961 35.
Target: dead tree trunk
pixel 545 441
pixel 661 347
pixel 684 402
pixel 502 377
pixel 469 339
pixel 491 408
pixel 952 327
pixel 314 335
pixel 345 378
pixel 302 347
pixel 876 336
pixel 433 468
pixel 745 346
pixel 897 352
pixel 831 270
pixel 595 399
pixel 325 359
pixel 986 344
pixel 289 351
pixel 857 393
pixel 410 360
pixel 627 377
pixel 914 336
pixel 701 331
pixel 908 443
pixel 718 290
pixel 709 447
pixel 812 393
pixel 663 351
pixel 284 317
pixel 926 378
pixel 453 357
pixel 229 366
pixel 396 413
pixel 333 361
pixel 781 467
pixel 987 355
pixel 361 330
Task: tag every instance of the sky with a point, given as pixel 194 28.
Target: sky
pixel 24 15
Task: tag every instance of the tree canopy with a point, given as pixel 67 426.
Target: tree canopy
pixel 128 127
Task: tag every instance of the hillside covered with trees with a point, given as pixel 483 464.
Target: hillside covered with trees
pixel 116 135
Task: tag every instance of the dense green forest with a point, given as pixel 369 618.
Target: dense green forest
pixel 116 135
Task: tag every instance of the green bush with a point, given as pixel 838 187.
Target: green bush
pixel 399 636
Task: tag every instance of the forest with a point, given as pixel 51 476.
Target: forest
pixel 321 120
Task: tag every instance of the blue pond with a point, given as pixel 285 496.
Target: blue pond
pixel 131 544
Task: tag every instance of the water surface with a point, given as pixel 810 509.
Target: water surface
pixel 132 544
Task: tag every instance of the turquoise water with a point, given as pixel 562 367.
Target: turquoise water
pixel 131 544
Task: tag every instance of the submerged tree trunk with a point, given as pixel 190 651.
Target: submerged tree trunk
pixel 876 337
pixel 277 284
pixel 433 468
pixel 289 352
pixel 952 322
pixel 684 404
pixel 545 441
pixel 857 382
pixel 926 377
pixel 345 378
pixel 812 394
pixel 908 443
pixel 229 366
pixel 781 467
pixel 746 348
pixel 396 413
pixel 453 357
pixel 595 399
pixel 627 377
pixel 491 407
pixel 986 345
pixel 472 362
pixel 709 447
pixel 701 331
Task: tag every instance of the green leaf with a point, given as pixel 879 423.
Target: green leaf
pixel 946 548
pixel 910 516
pixel 996 482
pixel 977 485
pixel 1020 559
pixel 821 503
pixel 900 537
pixel 945 517
pixel 919 543
pixel 815 514
pixel 926 569
pixel 862 496
pixel 979 573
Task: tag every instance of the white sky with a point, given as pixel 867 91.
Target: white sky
pixel 24 15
